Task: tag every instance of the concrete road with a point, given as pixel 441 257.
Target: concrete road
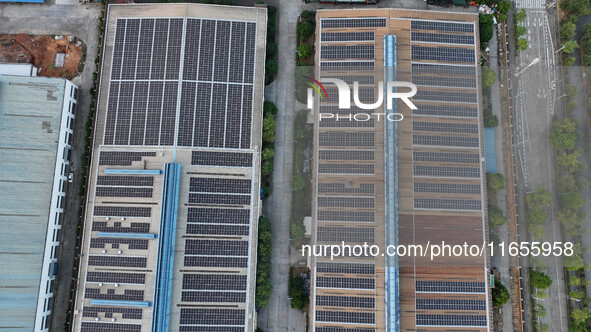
pixel 82 22
pixel 535 91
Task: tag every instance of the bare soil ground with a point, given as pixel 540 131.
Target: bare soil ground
pixel 41 51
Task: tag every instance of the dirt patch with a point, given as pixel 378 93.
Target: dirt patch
pixel 41 52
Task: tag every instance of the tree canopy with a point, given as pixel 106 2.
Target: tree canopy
pixel 305 29
pixel 496 217
pixel 495 182
pixel 539 279
pixel 486 22
pixel 500 294
pixel 567 30
pixel 564 134
pixel 488 77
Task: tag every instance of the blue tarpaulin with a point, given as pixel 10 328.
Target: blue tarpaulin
pixel 490 157
pixel 33 1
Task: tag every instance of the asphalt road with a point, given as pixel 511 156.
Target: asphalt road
pixel 535 91
pixel 82 22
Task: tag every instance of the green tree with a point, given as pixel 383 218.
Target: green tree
pixel 271 49
pixel 520 31
pixel 572 200
pixel 575 7
pixel 299 182
pixel 308 14
pixel 296 291
pixel 568 61
pixel 539 198
pixel 587 60
pixel 505 6
pixel 298 230
pixel 495 182
pixel 571 91
pixel 264 247
pixel 571 106
pixel 520 16
pixel 271 67
pixel 564 134
pixel 264 225
pixel 488 78
pixel 305 29
pixel 500 294
pixel 572 220
pixel 263 292
pixel 496 217
pixel 570 46
pixel 535 215
pixel 586 45
pixel 269 108
pixel 267 154
pixel 567 30
pixel 521 44
pixel 587 30
pixel 539 279
pixel 300 134
pixel 569 161
pixel 490 120
pixel 267 167
pixel 538 231
pixel 269 127
pixel 580 315
pixel 575 261
pixel 304 51
pixel 486 23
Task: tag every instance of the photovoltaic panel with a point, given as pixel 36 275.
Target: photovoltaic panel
pixel 217 229
pixel 195 328
pixel 454 141
pixel 221 216
pixel 445 127
pixel 216 247
pixel 123 192
pixel 220 185
pixel 222 50
pixel 441 38
pixel 194 281
pixel 449 188
pixel 134 227
pixel 212 316
pixel 122 211
pixel 459 82
pixel 350 317
pixel 347 283
pixel 347 36
pixel 219 199
pixel 361 51
pixel 192 43
pixel 450 304
pixel 445 111
pixel 345 268
pixel 212 261
pixel 437 171
pixel 346 66
pixel 144 57
pixel 118 261
pixel 116 277
pixel 109 327
pixel 344 201
pixel 443 69
pixel 342 329
pixel 346 168
pixel 451 320
pixel 346 216
pixel 345 301
pixel 346 139
pixel 173 56
pixel 443 54
pixel 225 159
pixel 133 244
pixel 229 297
pixel 109 294
pixel 126 313
pixel 122 180
pixel 449 286
pixel 445 96
pixel 441 26
pixel 446 157
pixel 447 204
pixel 122 158
pixel 369 22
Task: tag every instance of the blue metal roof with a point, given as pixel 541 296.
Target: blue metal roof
pixel 29 1
pixel 30 116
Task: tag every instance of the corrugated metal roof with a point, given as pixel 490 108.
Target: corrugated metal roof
pixel 30 115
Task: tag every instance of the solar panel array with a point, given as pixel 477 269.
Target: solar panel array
pixel 215 87
pixel 187 83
